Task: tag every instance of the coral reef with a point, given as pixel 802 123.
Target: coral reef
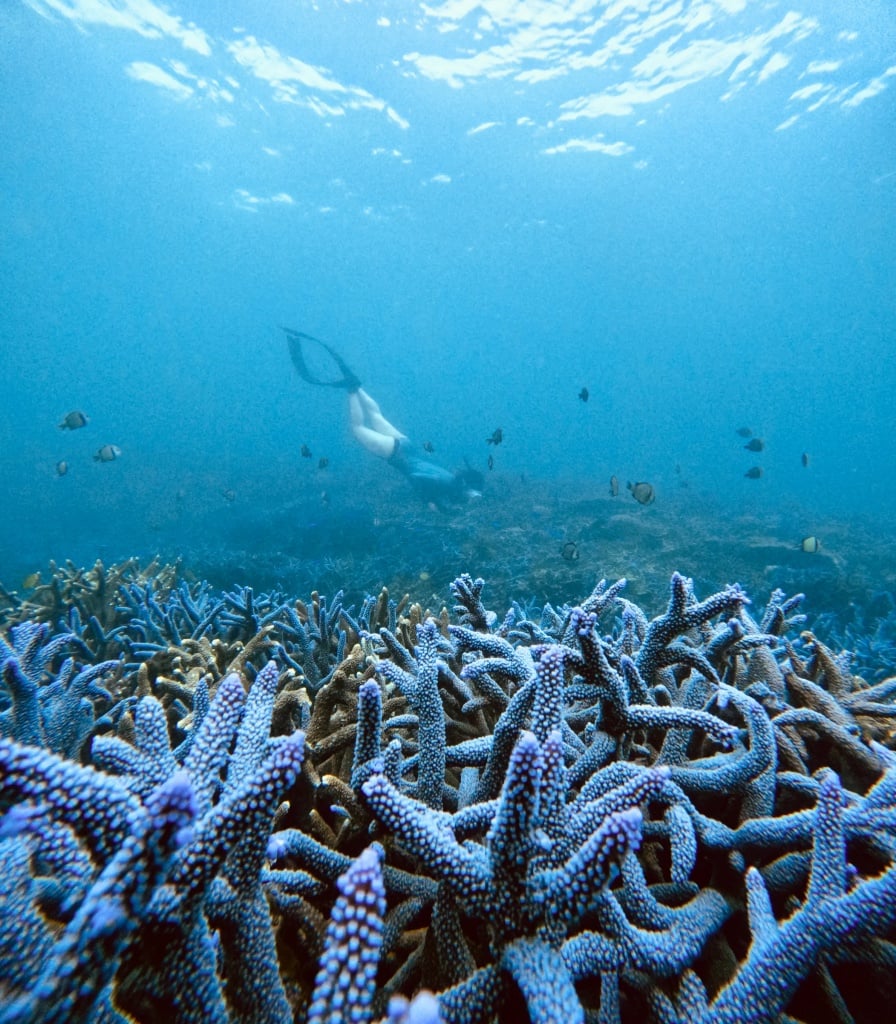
pixel 239 806
pixel 865 635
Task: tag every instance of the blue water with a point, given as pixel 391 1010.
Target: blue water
pixel 689 208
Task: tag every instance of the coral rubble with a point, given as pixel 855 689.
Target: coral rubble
pixel 240 806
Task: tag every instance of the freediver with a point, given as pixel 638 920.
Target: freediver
pixel 432 482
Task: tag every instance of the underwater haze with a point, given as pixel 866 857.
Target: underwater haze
pixel 448 497
pixel 686 208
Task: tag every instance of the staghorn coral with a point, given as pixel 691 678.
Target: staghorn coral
pixel 579 813
pixel 86 600
pixel 173 852
pixel 47 708
pixel 866 636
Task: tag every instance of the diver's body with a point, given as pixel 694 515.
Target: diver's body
pixel 432 482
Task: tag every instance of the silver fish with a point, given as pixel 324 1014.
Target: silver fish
pixel 642 492
pixel 570 551
pixel 74 420
pixel 108 453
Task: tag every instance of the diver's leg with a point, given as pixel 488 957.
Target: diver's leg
pixel 374 419
pixel 376 442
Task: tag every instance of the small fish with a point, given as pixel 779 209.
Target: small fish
pixel 73 420
pixel 325 499
pixel 756 445
pixel 61 467
pixel 810 545
pixel 31 580
pixel 428 446
pixel 323 462
pixel 108 453
pixel 570 551
pixel 804 458
pixel 491 462
pixel 305 451
pixel 496 438
pixel 753 473
pixel 614 486
pixel 229 494
pixel 744 432
pixel 642 492
pixel 584 394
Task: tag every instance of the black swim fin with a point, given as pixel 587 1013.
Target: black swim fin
pixel 296 341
